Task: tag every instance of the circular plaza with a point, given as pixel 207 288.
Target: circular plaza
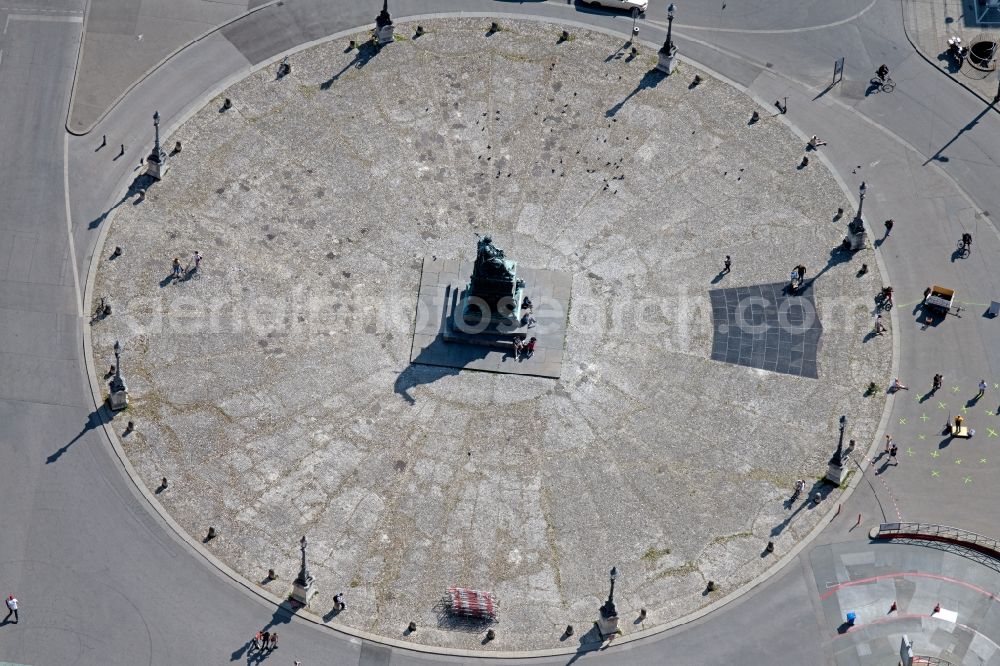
pixel 280 386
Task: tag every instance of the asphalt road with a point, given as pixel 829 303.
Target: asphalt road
pixel 103 580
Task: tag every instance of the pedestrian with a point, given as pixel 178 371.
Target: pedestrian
pixel 265 638
pixel 175 269
pixel 728 263
pixel 938 381
pixel 879 326
pixel 888 443
pixel 982 389
pixel 274 641
pixel 815 142
pixel 255 641
pixel 104 140
pixel 122 152
pixel 888 227
pixel 893 450
pixel 338 601
pixel 898 385
pixel 801 271
pixel 196 259
pixel 11 608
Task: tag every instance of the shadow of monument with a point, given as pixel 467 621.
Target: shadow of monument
pixel 650 79
pixel 426 368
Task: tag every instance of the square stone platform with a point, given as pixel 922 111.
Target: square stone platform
pixel 763 326
pixel 442 283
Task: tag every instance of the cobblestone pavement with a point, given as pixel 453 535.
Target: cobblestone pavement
pixel 273 387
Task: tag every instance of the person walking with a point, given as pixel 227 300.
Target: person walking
pixel 888 443
pixel 888 227
pixel 265 638
pixel 728 264
pixel 196 258
pixel 879 326
pixel 893 450
pixel 274 641
pixel 938 382
pixel 982 389
pixel 255 641
pixel 11 608
pixel 175 268
pixel 899 386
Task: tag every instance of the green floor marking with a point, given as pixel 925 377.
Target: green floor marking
pixel 934 472
pixel 941 405
pixel 954 389
pixel 958 461
pixel 909 451
pixel 967 479
pixel 996 386
pixel 921 437
pixel 935 454
pixel 990 432
pixel 902 421
pixel 917 398
pixel 965 409
pixel 982 461
pixel 924 418
pixel 989 413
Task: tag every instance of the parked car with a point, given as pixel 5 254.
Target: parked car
pixel 624 5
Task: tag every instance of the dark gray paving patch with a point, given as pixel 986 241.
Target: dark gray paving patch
pixel 441 284
pixel 763 326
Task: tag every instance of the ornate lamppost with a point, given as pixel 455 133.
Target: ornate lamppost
pixel 607 624
pixel 303 587
pixel 156 164
pixel 383 25
pixel 119 392
pixel 668 53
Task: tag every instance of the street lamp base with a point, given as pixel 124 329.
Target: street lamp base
pixel 118 400
pixel 667 62
pixel 835 474
pixel 302 593
pixel 156 170
pixel 385 34
pixel 608 626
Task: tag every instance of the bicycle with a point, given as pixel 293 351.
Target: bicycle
pixel 885 85
pixel 964 249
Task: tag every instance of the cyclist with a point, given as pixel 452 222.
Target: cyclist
pixel 966 241
pixel 882 72
pixel 799 485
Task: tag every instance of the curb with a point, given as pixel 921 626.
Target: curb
pixel 145 75
pixel 265 596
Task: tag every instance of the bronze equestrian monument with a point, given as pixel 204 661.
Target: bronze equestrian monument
pixel 491 315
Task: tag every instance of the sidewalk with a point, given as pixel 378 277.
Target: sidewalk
pixel 930 23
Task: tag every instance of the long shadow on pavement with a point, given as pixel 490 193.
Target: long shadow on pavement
pixel 95 419
pixel 141 182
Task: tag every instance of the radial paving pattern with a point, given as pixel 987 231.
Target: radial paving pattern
pixel 273 385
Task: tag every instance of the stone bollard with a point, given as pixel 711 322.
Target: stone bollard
pixel 490 635
pixel 271 575
pixel 769 547
pixel 635 51
pixel 129 427
pixel 284 69
pixel 697 80
pixel 755 117
pixel 163 483
pixel 107 310
pixel 212 533
pixel 352 45
pixel 569 630
pixel 420 31
pixel 227 104
pixel 411 627
pixel 177 147
pixel 805 160
pixel 712 586
pixel 642 613
pixel 117 253
pixel 494 27
pixel 564 36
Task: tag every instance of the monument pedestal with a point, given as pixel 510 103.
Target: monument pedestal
pixel 857 237
pixel 385 34
pixel 608 626
pixel 667 61
pixel 118 400
pixel 303 590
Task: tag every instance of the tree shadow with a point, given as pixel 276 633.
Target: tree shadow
pixel 650 79
pixel 94 419
pixel 366 51
pixel 141 182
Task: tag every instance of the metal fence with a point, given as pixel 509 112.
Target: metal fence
pixel 983 549
pixel 932 661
